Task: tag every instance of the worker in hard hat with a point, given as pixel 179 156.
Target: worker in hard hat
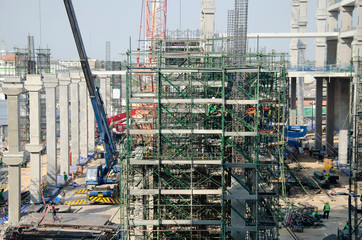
pixel 347 226
pixel 326 178
pixel 326 210
pixel 316 215
pixel 65 177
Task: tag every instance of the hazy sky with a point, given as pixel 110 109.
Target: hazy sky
pixel 117 20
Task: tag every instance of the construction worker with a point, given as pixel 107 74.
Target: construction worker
pixel 346 227
pixel 316 215
pixel 65 177
pixel 54 212
pixel 326 177
pixel 326 210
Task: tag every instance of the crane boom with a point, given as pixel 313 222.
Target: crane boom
pixel 97 103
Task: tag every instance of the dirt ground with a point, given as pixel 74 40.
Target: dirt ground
pixel 339 204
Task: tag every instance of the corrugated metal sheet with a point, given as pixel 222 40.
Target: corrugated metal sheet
pixel 3 112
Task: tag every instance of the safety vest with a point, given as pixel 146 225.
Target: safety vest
pixel 327 207
pixel 346 227
pixel 326 177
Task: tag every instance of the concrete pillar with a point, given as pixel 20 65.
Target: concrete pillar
pixel 50 84
pixel 344 44
pixel 346 18
pixel 318 113
pixel 357 42
pixel 320 43
pixel 344 52
pixel 343 147
pixel 108 96
pixel 74 129
pixel 13 87
pixel 302 42
pixel 293 100
pixel 83 131
pixel 302 45
pixel 34 84
pixel 300 101
pixel 207 23
pixel 103 91
pixel 294 29
pixel 64 81
pixel 91 126
pixel 330 117
pixel 332 44
pixel 341 117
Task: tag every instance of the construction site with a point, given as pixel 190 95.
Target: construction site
pixel 192 136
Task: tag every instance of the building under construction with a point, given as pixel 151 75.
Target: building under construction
pixel 205 145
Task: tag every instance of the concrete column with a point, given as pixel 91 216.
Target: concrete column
pixel 302 42
pixel 357 42
pixel 83 131
pixel 294 29
pixel 64 81
pixel 108 96
pixel 332 44
pixel 50 84
pixel 293 100
pixel 344 44
pixel 341 117
pixel 320 43
pixel 346 18
pixel 103 91
pixel 91 126
pixel 207 22
pixel 318 113
pixel 344 52
pixel 34 84
pixel 300 101
pixel 330 117
pixel 13 87
pixel 74 129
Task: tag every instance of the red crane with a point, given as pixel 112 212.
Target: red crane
pixel 156 15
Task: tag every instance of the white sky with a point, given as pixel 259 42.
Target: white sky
pixel 117 20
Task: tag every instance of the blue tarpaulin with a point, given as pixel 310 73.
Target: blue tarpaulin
pixel 82 160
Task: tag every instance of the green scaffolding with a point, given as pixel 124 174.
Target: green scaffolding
pixel 199 164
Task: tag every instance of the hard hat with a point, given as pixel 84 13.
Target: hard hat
pixel 327 202
pixel 347 221
pixel 326 174
pixel 315 209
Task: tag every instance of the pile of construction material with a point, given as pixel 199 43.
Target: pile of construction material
pixel 300 217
